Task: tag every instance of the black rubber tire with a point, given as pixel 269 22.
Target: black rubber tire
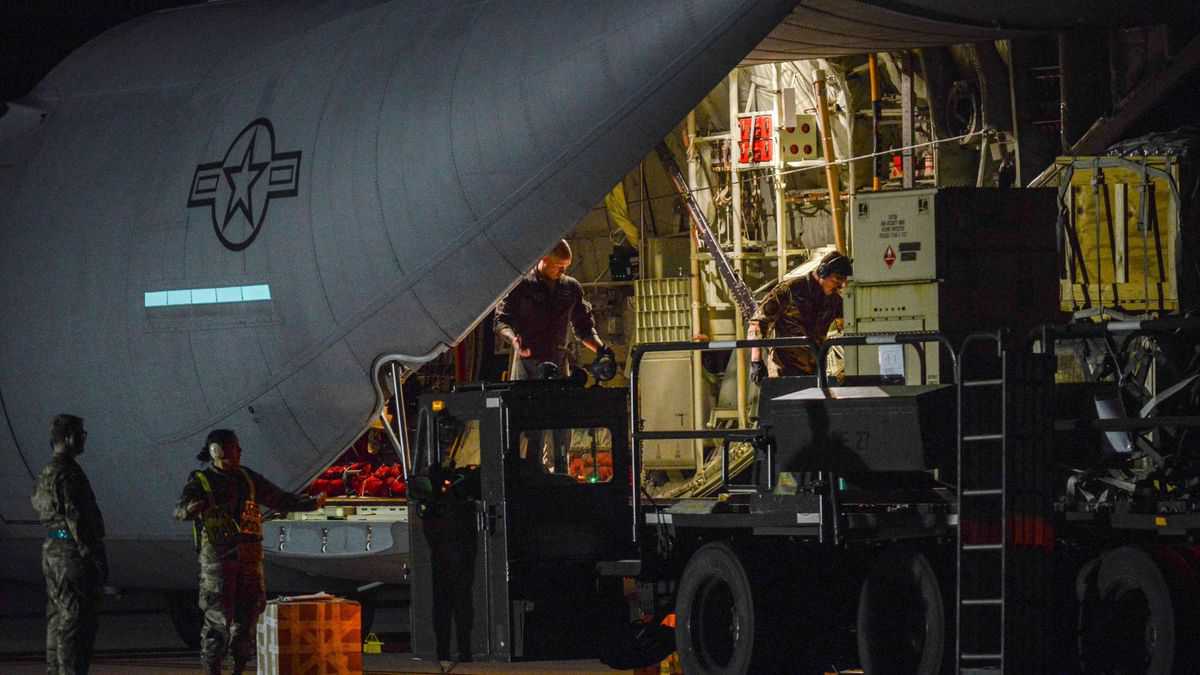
pixel 1128 623
pixel 901 616
pixel 184 609
pixel 728 615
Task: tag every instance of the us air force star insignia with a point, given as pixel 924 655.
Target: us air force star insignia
pixel 234 188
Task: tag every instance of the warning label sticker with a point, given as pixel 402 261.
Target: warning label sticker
pixel 893 227
pixel 889 257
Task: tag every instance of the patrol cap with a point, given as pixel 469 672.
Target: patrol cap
pixel 62 425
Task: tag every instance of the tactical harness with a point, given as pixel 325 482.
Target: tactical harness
pixel 221 528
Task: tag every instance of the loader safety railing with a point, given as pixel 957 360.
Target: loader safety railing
pixel 916 339
pixel 725 435
pixel 830 527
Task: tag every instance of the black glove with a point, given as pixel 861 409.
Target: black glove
pixel 604 368
pixel 758 372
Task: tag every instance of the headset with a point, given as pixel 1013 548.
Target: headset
pixel 824 269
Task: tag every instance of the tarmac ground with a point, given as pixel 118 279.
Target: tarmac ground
pixel 136 636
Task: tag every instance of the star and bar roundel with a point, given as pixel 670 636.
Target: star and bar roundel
pixel 239 188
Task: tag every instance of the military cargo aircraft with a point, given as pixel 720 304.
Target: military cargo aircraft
pixel 232 214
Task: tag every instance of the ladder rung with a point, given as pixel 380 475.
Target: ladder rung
pixel 982 657
pixel 980 493
pixel 982 383
pixel 982 602
pixel 982 547
pixel 982 437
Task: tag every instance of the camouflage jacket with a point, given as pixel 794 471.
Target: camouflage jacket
pixel 539 314
pixel 797 307
pixel 64 500
pixel 230 490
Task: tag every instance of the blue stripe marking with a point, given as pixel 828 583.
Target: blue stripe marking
pixel 208 296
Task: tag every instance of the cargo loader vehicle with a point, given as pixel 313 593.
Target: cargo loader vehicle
pixel 997 521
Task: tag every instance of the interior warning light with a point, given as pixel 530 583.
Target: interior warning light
pixel 437 405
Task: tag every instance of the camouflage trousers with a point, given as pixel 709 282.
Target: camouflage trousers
pixel 72 603
pixel 232 596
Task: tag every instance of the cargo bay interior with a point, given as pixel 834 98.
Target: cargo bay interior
pixel 980 179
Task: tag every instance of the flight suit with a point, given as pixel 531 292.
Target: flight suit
pixel 539 314
pixel 73 560
pixel 232 589
pixel 796 308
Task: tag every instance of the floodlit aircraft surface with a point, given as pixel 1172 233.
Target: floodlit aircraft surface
pixel 223 215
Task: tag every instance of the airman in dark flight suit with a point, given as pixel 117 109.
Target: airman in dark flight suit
pixel 535 314
pixel 804 306
pixel 73 557
pixel 223 501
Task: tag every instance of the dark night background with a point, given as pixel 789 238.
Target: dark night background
pixel 35 35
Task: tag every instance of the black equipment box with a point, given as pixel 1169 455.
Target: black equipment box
pixel 530 490
pixel 855 430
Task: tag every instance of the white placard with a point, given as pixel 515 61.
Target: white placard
pixel 891 360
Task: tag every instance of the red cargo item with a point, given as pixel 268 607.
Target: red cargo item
pixel 397 487
pixel 373 487
pixel 313 636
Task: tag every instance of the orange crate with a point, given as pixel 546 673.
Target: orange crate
pixel 310 636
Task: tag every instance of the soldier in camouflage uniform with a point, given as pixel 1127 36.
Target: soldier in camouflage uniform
pixel 804 306
pixel 223 502
pixel 73 557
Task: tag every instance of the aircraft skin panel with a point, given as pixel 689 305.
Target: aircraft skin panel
pixel 16 469
pixel 452 287
pixel 422 207
pixel 328 396
pixel 350 239
pixel 377 333
pixel 232 372
pixel 169 395
pixel 165 49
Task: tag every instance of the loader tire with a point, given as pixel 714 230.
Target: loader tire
pixel 1128 623
pixel 730 617
pixel 901 617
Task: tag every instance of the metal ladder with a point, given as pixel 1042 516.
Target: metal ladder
pixel 978 617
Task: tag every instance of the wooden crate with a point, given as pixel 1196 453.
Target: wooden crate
pixel 315 636
pixel 1132 266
